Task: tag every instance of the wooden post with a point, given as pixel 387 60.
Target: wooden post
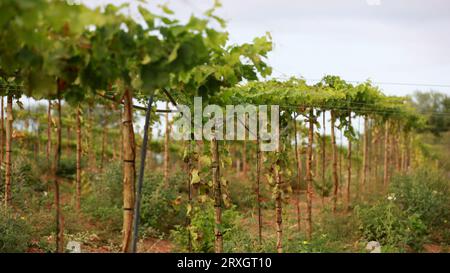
pixel 55 168
pixel 166 148
pixel 335 171
pixel 386 155
pixel 215 167
pixel 309 179
pixel 2 134
pixel 365 155
pixel 258 184
pixel 299 175
pixel 129 170
pixel 349 159
pixel 9 131
pixel 323 156
pixel 79 150
pixel 49 132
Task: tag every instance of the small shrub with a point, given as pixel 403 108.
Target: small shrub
pixel 202 228
pixel 386 223
pixel 243 194
pixel 320 243
pixel 425 193
pixel 324 187
pixel 26 186
pixel 336 227
pixel 42 221
pixel 419 203
pixel 161 202
pixel 102 197
pixel 14 233
pixel 67 167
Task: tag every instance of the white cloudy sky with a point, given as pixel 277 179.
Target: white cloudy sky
pixel 400 41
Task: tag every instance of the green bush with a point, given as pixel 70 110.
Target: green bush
pixel 202 229
pixel 102 196
pixel 336 227
pixel 240 240
pixel 324 187
pixel 102 199
pixel 386 223
pixel 418 203
pixel 425 193
pixel 161 202
pixel 26 186
pixel 41 221
pixel 67 167
pixel 15 234
pixel 243 194
pixel 24 176
pixel 320 243
pixel 331 233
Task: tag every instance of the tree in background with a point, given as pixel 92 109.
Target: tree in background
pixel 435 106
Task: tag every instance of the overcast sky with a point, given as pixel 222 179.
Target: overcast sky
pixel 400 41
